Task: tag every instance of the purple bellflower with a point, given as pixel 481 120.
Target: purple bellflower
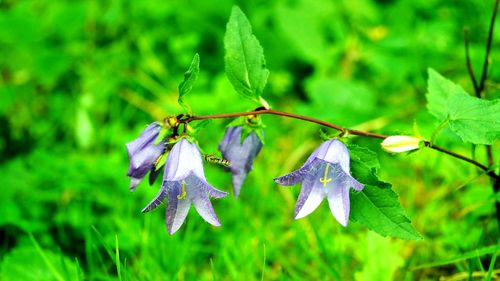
pixel 326 173
pixel 184 183
pixel 240 154
pixel 142 154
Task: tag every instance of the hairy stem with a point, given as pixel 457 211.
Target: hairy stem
pixel 338 128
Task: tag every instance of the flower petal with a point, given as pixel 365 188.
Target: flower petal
pixel 238 179
pixel 295 176
pixel 337 153
pixel 157 200
pixel 183 159
pixel 134 182
pixel 356 185
pixel 310 197
pixel 147 137
pixel 241 155
pixel 338 200
pixel 204 207
pixel 231 134
pixel 177 209
pixel 142 162
pixel 202 185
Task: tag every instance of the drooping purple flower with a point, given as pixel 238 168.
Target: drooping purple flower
pixel 240 154
pixel 326 173
pixel 142 153
pixel 184 183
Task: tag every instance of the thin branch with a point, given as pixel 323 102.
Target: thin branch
pixel 479 91
pixel 484 74
pixel 338 128
pixel 469 65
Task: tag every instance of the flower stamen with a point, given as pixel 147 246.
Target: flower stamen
pixel 183 191
pixel 324 180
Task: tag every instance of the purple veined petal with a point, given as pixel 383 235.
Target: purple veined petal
pixel 338 200
pixel 308 203
pixel 177 209
pixel 319 152
pixel 229 136
pixel 157 200
pixel 337 152
pixel 199 185
pixel 134 182
pixel 241 155
pixel 295 176
pixel 203 205
pixel 142 162
pixel 147 137
pixel 183 159
pixel 356 185
pixel 252 145
pixel 237 180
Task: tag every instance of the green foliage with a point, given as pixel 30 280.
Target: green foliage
pixel 474 120
pixel 189 78
pixel 79 79
pixel 244 57
pixel 377 205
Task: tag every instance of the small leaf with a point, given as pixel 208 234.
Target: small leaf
pixel 472 119
pixel 190 77
pixel 200 125
pixel 244 57
pixel 379 210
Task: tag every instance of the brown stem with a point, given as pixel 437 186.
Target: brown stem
pixel 467 61
pixel 484 74
pixel 338 128
pixel 479 92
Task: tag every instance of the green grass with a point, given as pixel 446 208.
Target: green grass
pixel 78 80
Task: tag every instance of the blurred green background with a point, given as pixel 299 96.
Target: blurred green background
pixel 79 79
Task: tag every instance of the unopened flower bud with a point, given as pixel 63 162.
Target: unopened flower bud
pixel 398 144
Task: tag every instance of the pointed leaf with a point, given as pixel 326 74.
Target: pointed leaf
pixel 190 77
pixel 379 210
pixel 244 57
pixel 472 119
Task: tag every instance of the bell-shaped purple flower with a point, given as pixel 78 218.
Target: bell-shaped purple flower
pixel 142 154
pixel 184 183
pixel 239 154
pixel 326 173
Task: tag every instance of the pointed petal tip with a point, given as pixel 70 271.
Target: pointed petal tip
pixel 236 192
pixel 172 228
pixel 171 231
pixel 280 181
pixel 343 223
pixel 134 182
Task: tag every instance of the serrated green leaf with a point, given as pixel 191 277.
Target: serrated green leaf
pixel 472 119
pixel 379 210
pixel 377 205
pixel 364 165
pixel 190 77
pixel 364 155
pixel 244 57
pixel 475 120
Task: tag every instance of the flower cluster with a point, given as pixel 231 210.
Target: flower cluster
pixel 326 173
